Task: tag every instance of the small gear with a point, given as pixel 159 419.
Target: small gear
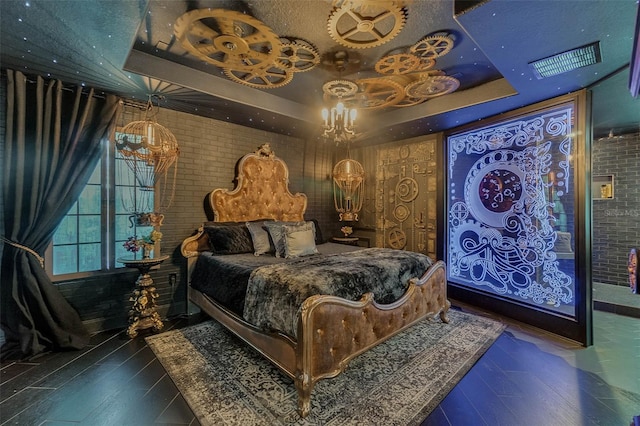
pixel 362 25
pixel 426 64
pixel 340 88
pixel 432 87
pixel 378 93
pixel 433 46
pixel 401 63
pixel 397 239
pixel 299 55
pixel 270 77
pixel 227 39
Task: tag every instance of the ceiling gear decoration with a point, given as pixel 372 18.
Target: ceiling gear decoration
pixel 227 39
pixel 270 77
pixel 408 101
pixel 433 46
pixel 401 63
pixel 379 93
pixel 432 87
pixel 339 89
pixel 361 25
pixel 298 55
pixel 426 64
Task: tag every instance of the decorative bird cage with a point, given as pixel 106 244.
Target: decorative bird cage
pixel 150 152
pixel 348 185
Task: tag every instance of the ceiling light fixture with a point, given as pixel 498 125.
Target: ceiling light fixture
pixel 339 123
pixel 567 61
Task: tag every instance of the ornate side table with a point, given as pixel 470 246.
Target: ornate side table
pixel 350 241
pixel 143 312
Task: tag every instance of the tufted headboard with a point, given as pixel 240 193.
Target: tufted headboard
pixel 261 192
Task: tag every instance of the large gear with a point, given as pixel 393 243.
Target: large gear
pixel 401 63
pixel 339 89
pixel 432 46
pixel 270 77
pixel 378 93
pixel 432 87
pixel 227 39
pixel 362 25
pixel 299 55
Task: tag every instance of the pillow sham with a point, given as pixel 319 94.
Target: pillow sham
pixel 277 235
pixel 260 238
pixel 318 232
pixel 228 237
pixel 299 240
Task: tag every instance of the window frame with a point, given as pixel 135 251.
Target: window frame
pixel 108 263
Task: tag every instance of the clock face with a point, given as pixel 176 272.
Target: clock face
pixel 492 188
pixel 499 189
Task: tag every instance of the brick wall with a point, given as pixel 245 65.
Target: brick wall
pixel 616 221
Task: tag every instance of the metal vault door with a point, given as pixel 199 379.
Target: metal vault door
pixel 406 190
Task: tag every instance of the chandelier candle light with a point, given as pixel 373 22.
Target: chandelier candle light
pixel 339 123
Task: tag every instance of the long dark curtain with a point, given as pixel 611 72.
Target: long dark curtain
pixel 54 138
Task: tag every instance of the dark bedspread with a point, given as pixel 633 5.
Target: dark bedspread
pixel 268 291
pixel 275 293
pixel 225 277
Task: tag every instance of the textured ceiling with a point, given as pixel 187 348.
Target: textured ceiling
pixel 128 47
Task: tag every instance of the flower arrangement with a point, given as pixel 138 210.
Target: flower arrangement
pixel 134 244
pixel 346 230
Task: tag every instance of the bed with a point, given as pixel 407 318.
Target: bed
pixel 310 332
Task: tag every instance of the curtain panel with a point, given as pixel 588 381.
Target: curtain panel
pixel 54 138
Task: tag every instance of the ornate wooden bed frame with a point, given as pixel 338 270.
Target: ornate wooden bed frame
pixel 331 330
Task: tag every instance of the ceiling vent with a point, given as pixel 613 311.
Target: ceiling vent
pixel 567 61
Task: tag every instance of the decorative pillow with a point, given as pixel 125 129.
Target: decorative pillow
pixel 228 237
pixel 299 240
pixel 260 237
pixel 277 235
pixel 318 231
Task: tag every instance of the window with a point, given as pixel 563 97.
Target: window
pixel 90 237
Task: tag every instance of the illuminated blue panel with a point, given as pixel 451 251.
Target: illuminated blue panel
pixel 510 203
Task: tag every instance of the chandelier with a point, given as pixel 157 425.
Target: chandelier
pixel 348 186
pixel 150 152
pixel 339 123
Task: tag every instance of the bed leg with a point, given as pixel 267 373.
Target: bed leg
pixel 443 313
pixel 304 387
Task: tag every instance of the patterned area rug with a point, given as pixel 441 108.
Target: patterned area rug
pixel 399 382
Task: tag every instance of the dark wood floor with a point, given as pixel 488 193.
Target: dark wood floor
pixel 526 378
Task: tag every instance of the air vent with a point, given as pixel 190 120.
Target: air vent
pixel 567 61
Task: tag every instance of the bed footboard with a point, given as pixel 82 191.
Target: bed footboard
pixel 332 331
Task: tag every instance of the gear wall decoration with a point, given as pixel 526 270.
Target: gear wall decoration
pixel 364 25
pixel 433 46
pixel 380 92
pixel 270 77
pixel 432 86
pixel 401 63
pixel 239 42
pixel 247 50
pixel 298 55
pixel 339 89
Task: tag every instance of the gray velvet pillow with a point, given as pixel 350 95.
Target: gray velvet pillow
pixel 260 237
pixel 277 235
pixel 299 240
